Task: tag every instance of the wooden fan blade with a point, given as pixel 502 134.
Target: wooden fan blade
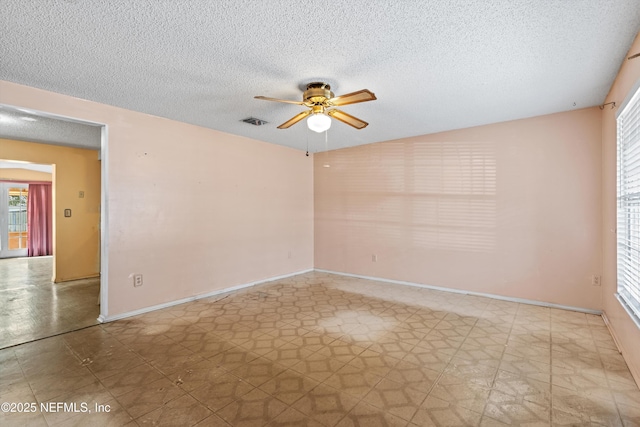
pixel 348 119
pixel 363 95
pixel 292 121
pixel 266 98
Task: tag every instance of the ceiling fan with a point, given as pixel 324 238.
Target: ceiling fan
pixel 321 102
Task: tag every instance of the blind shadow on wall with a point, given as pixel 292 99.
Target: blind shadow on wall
pixel 422 195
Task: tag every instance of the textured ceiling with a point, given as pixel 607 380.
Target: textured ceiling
pixel 26 125
pixel 434 65
pixel 24 165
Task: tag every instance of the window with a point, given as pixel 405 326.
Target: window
pixel 18 218
pixel 629 205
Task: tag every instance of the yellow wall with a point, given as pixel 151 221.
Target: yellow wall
pixel 16 174
pixel 76 239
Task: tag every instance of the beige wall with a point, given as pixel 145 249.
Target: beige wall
pixel 192 209
pixel 626 332
pixel 16 174
pixel 76 239
pixel 511 209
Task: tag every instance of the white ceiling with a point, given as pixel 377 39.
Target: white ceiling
pixel 434 65
pixel 27 125
pixel 25 165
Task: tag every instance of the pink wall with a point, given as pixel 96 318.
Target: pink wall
pixel 626 332
pixel 511 209
pixel 192 209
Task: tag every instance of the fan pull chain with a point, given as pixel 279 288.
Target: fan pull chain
pixel 326 148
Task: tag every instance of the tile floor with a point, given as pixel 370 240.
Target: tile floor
pixel 32 307
pixel 327 350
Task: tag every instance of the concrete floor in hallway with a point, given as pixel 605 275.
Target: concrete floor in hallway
pixel 33 307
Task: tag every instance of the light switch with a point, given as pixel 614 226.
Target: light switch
pixel 67 213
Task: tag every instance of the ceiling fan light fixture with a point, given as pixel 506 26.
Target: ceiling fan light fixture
pixel 319 122
pixel 321 104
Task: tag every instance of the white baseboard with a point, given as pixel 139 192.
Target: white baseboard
pixel 460 291
pixel 632 368
pixel 103 319
pixel 612 332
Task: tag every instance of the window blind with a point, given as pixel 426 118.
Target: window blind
pixel 628 191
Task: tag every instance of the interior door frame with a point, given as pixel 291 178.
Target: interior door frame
pixel 104 200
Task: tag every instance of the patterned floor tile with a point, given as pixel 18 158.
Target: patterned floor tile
pixel 289 386
pixel 530 338
pixel 534 353
pixel 363 415
pixel 437 339
pixel 126 381
pixel 355 381
pixel 234 358
pixel 208 346
pixel 395 398
pixel 288 355
pixel 577 381
pixel 225 389
pixel 572 406
pixel 339 350
pixel 105 364
pixel 433 358
pixel 417 376
pixel 481 372
pixel 325 405
pixel 374 362
pixel 482 354
pixel 258 371
pixel 23 419
pixel 462 392
pixel 197 375
pixel 293 418
pixel 516 400
pixel 150 397
pixel 317 366
pixel 437 412
pixel 48 387
pixel 630 415
pixel 255 408
pixel 625 393
pixel 111 414
pixel 171 363
pixel 525 367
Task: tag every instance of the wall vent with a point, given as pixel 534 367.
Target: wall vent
pixel 254 121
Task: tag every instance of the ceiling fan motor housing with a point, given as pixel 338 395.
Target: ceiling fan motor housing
pixel 317 93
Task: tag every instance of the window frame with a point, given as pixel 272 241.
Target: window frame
pixel 628 243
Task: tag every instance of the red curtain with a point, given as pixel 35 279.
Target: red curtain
pixel 39 220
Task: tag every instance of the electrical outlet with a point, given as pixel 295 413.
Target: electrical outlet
pixel 374 258
pixel 595 280
pixel 137 280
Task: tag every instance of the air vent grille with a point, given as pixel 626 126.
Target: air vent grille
pixel 254 121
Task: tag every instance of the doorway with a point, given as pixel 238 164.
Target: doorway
pixel 32 306
pixel 13 219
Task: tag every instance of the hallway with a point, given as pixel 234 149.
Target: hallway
pixel 33 307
